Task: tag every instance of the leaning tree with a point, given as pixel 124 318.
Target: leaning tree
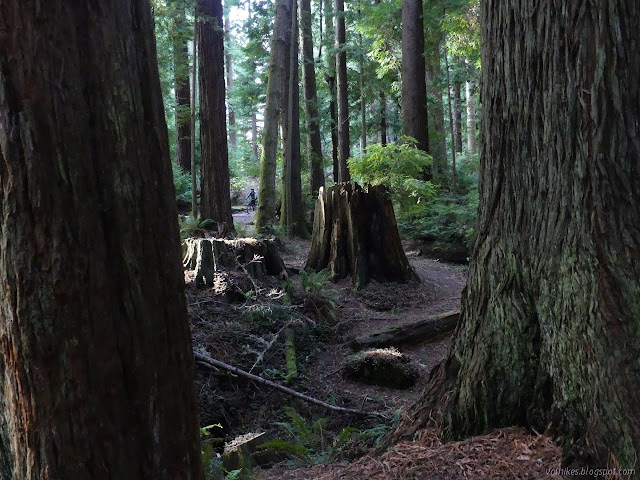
pixel 550 326
pixel 96 373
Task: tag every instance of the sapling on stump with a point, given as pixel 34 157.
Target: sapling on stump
pixel 355 233
pixel 207 256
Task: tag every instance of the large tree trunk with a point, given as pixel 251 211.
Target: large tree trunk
pixel 97 368
pixel 182 92
pixel 330 78
pixel 355 234
pixel 415 122
pixel 215 198
pixel 292 213
pixel 265 216
pixel 342 94
pixel 314 141
pixel 451 125
pixel 550 327
pixel 229 71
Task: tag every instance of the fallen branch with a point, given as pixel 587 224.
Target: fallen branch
pixel 212 362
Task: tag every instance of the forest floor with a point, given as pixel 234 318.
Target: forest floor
pixel 235 333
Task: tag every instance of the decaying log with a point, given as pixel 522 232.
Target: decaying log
pixel 409 333
pixel 355 233
pixel 207 256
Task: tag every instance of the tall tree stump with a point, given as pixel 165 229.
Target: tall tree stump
pixel 355 233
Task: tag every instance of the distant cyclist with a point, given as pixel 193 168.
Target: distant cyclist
pixel 253 200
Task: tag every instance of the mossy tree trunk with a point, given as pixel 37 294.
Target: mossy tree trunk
pixel 97 368
pixel 355 234
pixel 292 212
pixel 265 216
pixel 215 199
pixel 550 327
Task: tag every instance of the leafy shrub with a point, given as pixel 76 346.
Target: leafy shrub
pixel 192 227
pixel 447 219
pixel 398 166
pixel 182 183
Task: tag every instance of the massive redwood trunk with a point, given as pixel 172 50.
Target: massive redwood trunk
pixel 550 327
pixel 355 234
pixel 96 371
pixel 215 199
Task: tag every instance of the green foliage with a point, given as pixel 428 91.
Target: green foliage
pixel 181 183
pixel 308 443
pixel 398 166
pixel 447 219
pixel 314 282
pixel 211 465
pixel 191 227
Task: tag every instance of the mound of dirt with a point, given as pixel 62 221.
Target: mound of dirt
pixel 386 367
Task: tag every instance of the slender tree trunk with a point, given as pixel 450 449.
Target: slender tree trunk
pixel 471 117
pixel 215 199
pixel 439 143
pixel 314 142
pixel 451 125
pixel 292 216
pixel 415 122
pixel 457 113
pixel 182 92
pixel 550 330
pixel 363 106
pixel 383 118
pixel 229 68
pixel 194 99
pixel 97 367
pixel 330 78
pixel 265 216
pixel 254 135
pixel 342 94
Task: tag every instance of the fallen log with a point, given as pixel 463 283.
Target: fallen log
pixel 410 333
pixel 210 362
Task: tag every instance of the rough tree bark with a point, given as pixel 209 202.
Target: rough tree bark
pixel 182 91
pixel 265 216
pixel 292 213
pixel 314 142
pixel 355 233
pixel 342 94
pixel 97 370
pixel 415 121
pixel 550 320
pixel 215 198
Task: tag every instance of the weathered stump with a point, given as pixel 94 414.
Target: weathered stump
pixel 207 256
pixel 355 233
